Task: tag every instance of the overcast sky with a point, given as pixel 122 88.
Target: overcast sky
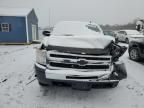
pixel 99 11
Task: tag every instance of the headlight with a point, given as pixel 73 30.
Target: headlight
pixel 41 56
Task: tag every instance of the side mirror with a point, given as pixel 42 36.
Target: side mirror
pixel 46 33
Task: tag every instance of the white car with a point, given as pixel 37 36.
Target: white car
pixel 127 35
pixel 78 53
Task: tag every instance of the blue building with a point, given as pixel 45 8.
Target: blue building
pixel 18 25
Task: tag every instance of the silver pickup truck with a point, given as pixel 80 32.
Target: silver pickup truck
pixel 79 54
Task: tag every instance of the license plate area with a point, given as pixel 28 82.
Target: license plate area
pixel 81 86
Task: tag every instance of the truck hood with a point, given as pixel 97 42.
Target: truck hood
pixel 88 41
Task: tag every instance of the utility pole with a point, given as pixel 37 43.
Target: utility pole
pixel 49 17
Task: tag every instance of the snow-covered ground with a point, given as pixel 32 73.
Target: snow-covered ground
pixel 16 71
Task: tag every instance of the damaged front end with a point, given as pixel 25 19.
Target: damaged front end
pixel 80 65
pixel 87 60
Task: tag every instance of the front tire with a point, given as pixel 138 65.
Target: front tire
pixel 134 54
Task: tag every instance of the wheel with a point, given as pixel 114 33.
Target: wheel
pixel 114 84
pixel 127 40
pixel 42 84
pixel 134 54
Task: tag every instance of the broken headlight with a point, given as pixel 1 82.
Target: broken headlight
pixel 117 51
pixel 41 56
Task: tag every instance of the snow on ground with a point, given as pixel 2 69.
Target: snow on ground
pixel 16 71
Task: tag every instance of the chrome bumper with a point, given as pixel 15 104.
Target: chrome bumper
pixel 75 75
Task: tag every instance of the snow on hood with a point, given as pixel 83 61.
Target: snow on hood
pixel 76 28
pixel 88 41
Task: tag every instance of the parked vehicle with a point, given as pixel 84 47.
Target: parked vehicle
pixel 136 48
pixel 126 35
pixel 78 54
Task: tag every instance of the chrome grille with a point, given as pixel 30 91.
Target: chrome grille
pixel 76 66
pixel 57 60
pixel 78 57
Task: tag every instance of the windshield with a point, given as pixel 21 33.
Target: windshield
pixel 133 32
pixel 69 28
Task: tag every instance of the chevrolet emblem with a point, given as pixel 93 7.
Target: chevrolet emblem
pixel 82 62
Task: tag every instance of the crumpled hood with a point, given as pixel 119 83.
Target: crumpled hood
pixel 92 42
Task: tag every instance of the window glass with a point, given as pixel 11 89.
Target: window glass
pixel 121 32
pixel 5 27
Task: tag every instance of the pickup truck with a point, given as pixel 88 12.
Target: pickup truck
pixel 77 53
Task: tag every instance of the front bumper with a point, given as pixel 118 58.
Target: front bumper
pixel 45 75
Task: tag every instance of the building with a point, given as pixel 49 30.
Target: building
pixel 18 25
